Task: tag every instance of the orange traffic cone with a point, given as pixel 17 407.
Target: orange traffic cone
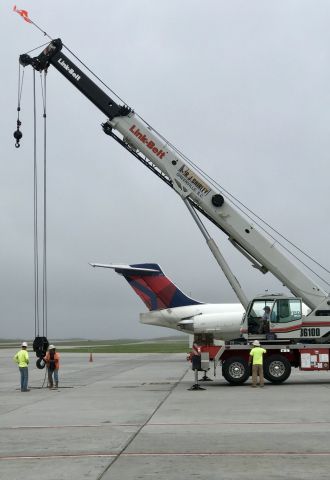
pixel 91 357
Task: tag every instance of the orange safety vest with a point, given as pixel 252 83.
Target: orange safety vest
pixel 56 360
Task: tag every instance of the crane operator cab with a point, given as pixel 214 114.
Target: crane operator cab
pixel 272 318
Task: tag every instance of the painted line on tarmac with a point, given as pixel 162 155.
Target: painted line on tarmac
pixel 168 454
pixel 60 455
pixel 228 454
pixel 193 424
pixel 27 427
pixel 234 423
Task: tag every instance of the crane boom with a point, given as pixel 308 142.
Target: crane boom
pixel 125 126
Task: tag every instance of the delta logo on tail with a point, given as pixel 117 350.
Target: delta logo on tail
pixel 153 287
pixel 171 308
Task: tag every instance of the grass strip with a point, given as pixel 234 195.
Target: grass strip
pixel 147 347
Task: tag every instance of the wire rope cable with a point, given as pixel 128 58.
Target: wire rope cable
pixel 94 75
pixel 40 343
pixel 20 87
pixel 37 48
pixel 44 263
pixel 35 207
pixel 254 216
pixel 43 383
pixel 18 134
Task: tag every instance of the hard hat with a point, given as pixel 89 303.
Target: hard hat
pixel 51 347
pixel 256 343
pixel 24 344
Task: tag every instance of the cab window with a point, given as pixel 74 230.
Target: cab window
pixel 257 309
pixel 256 314
pixel 286 310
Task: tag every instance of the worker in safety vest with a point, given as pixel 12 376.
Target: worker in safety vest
pixel 256 358
pixel 52 360
pixel 22 360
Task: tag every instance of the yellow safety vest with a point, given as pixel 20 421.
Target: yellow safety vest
pixel 22 358
pixel 257 353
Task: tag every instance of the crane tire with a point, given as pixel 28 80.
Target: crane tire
pixel 236 370
pixel 277 369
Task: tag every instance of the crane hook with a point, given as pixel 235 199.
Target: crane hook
pixel 18 134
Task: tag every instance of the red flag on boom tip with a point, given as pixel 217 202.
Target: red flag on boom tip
pixel 23 13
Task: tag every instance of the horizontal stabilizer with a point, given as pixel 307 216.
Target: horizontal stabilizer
pixel 127 269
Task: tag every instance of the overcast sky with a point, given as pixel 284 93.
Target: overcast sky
pixel 241 87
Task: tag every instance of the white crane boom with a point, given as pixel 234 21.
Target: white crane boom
pixel 141 140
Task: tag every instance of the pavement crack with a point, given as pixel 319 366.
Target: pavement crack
pixel 135 434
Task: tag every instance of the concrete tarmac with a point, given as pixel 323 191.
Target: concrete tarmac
pixel 131 416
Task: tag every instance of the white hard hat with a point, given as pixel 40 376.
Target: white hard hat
pixel 256 343
pixel 24 344
pixel 51 347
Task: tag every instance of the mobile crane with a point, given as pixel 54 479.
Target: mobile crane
pixel 293 335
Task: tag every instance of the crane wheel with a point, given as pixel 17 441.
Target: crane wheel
pixel 236 370
pixel 277 369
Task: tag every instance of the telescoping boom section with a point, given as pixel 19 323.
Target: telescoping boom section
pixel 126 127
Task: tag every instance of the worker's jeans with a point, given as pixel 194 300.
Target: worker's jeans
pixel 257 370
pixel 50 377
pixel 24 371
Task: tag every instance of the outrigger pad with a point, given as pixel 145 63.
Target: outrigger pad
pixel 196 387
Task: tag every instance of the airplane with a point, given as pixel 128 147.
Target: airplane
pixel 169 307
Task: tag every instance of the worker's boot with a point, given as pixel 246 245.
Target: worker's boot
pixel 50 386
pixel 56 385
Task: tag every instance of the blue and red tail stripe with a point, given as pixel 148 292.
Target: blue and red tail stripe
pixel 155 289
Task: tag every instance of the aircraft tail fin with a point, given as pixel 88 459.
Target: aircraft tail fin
pixel 154 288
